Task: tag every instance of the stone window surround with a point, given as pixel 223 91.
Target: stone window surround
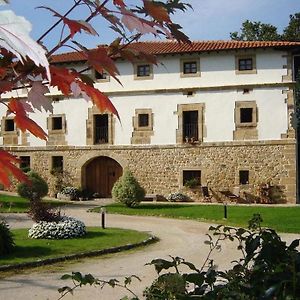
pixel 142 134
pixel 10 137
pixel 135 68
pixel 196 168
pixel 50 124
pixel 90 125
pixel 189 107
pixel 186 60
pixel 245 56
pixel 245 131
pixel 135 119
pixel 237 114
pixel 3 126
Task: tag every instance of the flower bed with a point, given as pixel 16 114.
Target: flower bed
pixel 66 228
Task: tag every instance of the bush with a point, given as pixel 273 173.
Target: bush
pixel 66 228
pixel 127 190
pixel 36 190
pixel 178 197
pixel 6 239
pixel 40 211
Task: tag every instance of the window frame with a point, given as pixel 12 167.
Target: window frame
pixel 238 58
pixel 136 67
pixel 239 105
pixel 191 60
pixel 21 157
pixel 50 124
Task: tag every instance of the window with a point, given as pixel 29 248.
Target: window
pixel 243 177
pixel 246 118
pixel 9 125
pixel 246 115
pixel 189 67
pixel 143 120
pixel 101 76
pixel 142 123
pixel 57 163
pixel 190 126
pixel 190 123
pixel 101 129
pixel 245 64
pixel 143 70
pixel 25 163
pixel 192 177
pixel 57 123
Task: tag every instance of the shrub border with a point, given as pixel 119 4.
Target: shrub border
pixel 49 261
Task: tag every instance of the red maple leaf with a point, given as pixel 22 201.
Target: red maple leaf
pixel 23 122
pixel 157 11
pixel 98 98
pixel 62 78
pixel 99 59
pixel 8 167
pixel 74 25
pixel 119 3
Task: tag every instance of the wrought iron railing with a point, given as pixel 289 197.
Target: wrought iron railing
pixel 101 135
pixel 190 131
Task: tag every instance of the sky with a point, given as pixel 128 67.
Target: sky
pixel 208 20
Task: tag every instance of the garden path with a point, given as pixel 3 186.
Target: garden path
pixel 177 237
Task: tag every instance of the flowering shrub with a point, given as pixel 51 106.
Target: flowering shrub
pixel 178 197
pixel 66 228
pixel 70 191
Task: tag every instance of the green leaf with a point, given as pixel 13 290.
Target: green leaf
pixel 196 278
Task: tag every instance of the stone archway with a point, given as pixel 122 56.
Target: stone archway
pixel 101 173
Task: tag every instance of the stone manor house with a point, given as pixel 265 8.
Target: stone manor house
pixel 217 111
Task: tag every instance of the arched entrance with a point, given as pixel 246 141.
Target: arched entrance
pixel 101 173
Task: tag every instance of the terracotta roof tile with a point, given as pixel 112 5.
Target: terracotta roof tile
pixel 170 47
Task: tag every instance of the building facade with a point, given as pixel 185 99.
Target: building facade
pixel 218 111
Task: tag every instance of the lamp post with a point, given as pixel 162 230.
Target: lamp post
pixel 103 212
pixel 225 210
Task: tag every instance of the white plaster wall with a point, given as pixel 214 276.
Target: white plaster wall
pixel 217 69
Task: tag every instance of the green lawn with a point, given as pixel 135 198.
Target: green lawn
pixel 96 239
pixel 16 204
pixel 283 219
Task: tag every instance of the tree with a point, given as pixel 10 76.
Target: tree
pixel 256 31
pixel 25 63
pixel 292 31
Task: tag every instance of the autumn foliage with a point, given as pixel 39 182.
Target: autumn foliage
pixel 25 63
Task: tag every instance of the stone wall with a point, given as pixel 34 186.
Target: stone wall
pixel 159 168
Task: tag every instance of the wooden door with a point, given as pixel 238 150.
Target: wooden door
pixel 101 174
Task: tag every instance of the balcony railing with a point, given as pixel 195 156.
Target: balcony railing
pixel 190 132
pixel 101 135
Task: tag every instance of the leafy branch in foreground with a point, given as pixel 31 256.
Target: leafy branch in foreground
pixel 268 269
pixel 80 280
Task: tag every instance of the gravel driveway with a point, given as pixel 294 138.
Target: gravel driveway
pixel 177 238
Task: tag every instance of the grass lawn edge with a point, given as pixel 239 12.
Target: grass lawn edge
pixel 150 240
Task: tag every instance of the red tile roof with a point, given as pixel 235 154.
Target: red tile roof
pixel 172 47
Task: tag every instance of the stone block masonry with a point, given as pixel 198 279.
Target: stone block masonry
pixel 159 169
